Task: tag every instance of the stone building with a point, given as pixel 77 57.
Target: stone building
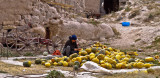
pixel 94 6
pixel 103 6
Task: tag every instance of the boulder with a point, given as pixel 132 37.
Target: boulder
pixel 86 31
pixel 105 31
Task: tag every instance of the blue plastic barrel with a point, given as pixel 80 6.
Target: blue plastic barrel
pixel 126 24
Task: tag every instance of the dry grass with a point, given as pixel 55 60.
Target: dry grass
pixel 40 69
pixel 127 9
pixel 134 13
pixel 19 70
pixel 157 12
pixel 94 22
pixel 155 44
pixel 114 14
pixel 151 6
pixel 35 69
pixel 149 18
pixel 125 75
pixel 116 32
pixel 137 74
pixel 52 67
pixel 137 40
pixel 154 13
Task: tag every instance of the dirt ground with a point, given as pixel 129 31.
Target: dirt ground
pixel 34 69
pixel 40 69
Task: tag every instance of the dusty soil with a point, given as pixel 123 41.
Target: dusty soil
pixel 134 37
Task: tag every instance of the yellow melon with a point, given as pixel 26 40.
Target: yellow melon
pixel 47 64
pixel 156 56
pixel 43 62
pixel 80 53
pixel 91 57
pixel 118 65
pixel 140 65
pixel 102 62
pixel 96 60
pixel 126 59
pixel 74 59
pixel 118 57
pixel 88 50
pixel 91 54
pixel 108 65
pixel 134 64
pixel 55 63
pixel 65 64
pixel 29 62
pixel 107 53
pixel 79 59
pixel 103 65
pixel 83 53
pixel 82 64
pixel 84 57
pixel 110 48
pixel 149 59
pixel 147 65
pixel 100 56
pixel 129 66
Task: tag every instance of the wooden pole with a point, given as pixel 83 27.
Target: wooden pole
pixel 7 53
pixel 16 39
pixel 2 45
pixel 1 51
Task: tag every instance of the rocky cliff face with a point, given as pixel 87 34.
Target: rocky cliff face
pixel 39 14
pixel 11 10
pixel 19 11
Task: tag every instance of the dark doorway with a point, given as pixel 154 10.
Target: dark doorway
pixel 110 5
pixel 47 33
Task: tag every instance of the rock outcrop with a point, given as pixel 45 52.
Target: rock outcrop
pixel 38 14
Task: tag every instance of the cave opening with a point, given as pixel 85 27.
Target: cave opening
pixel 47 33
pixel 108 6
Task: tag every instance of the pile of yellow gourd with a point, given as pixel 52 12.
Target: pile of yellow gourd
pixel 104 56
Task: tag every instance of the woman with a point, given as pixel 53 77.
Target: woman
pixel 70 46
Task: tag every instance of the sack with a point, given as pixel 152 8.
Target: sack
pixel 93 67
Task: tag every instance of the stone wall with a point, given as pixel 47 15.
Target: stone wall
pixel 12 10
pixel 17 11
pixel 21 12
pixel 92 5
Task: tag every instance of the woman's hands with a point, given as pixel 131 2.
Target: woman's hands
pixel 77 49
